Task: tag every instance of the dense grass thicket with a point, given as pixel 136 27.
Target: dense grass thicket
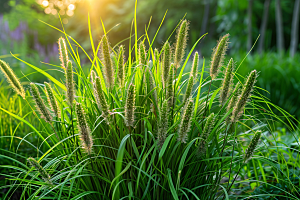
pixel 140 127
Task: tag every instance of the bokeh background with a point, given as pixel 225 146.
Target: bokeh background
pixel 271 27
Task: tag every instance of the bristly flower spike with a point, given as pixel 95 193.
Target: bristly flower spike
pixel 186 121
pixel 156 56
pixel 93 76
pixel 166 62
pixel 246 92
pixel 142 54
pixel 227 81
pixel 195 65
pixel 170 90
pixel 12 78
pixel 218 56
pixel 163 124
pixel 70 83
pixel 40 169
pixel 107 62
pixel 233 101
pixel 250 150
pixel 84 129
pixel 52 100
pixel 40 105
pixel 101 100
pixel 63 52
pixel 202 146
pixel 130 106
pixel 189 88
pixel 121 70
pixel 181 40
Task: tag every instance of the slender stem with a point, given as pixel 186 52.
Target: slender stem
pixel 206 103
pixel 231 163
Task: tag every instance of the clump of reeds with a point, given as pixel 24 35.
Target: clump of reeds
pixel 40 169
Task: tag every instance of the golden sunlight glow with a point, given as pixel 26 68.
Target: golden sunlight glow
pixel 65 20
pixel 54 12
pixel 71 7
pixel 45 3
pixel 70 12
pixel 48 10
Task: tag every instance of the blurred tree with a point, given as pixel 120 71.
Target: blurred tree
pixel 5 7
pixel 279 28
pixel 295 27
pixel 263 26
pixel 249 40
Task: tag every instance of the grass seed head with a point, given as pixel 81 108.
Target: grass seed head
pixel 195 65
pixel 186 121
pixel 84 129
pixel 227 81
pixel 130 106
pixel 52 100
pixel 142 54
pixel 107 62
pixel 40 169
pixel 246 92
pixel 63 52
pixel 189 88
pixel 233 101
pixel 163 124
pixel 39 102
pixel 218 56
pixel 250 150
pixel 121 70
pixel 170 90
pixel 101 100
pixel 166 62
pixel 70 83
pixel 156 56
pixel 181 40
pixel 12 78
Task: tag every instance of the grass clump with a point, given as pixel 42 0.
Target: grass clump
pixel 157 135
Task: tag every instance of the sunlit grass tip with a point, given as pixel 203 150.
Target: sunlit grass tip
pixel 63 52
pixel 12 78
pixel 121 70
pixel 167 51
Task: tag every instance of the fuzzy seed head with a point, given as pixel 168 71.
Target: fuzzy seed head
pixel 121 70
pixel 186 121
pixel 39 102
pixel 233 100
pixel 218 56
pixel 130 106
pixel 208 126
pixel 101 100
pixel 52 100
pixel 227 81
pixel 166 62
pixel 170 90
pixel 189 88
pixel 12 78
pixel 40 169
pixel 246 93
pixel 252 146
pixel 84 129
pixel 163 124
pixel 63 52
pixel 181 40
pixel 142 54
pixel 70 83
pixel 107 62
pixel 195 65
pixel 152 85
pixel 93 76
